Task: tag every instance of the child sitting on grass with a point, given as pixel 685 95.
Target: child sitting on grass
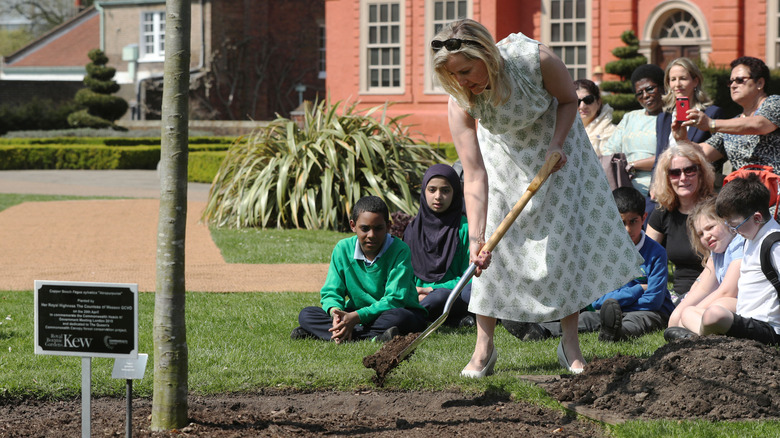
pixel 438 238
pixel 640 306
pixel 744 205
pixel 721 252
pixel 369 292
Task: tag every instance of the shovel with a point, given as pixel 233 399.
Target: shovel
pixel 540 178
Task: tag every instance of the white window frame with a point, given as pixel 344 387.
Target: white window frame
pixel 157 33
pixel 431 86
pixel 772 34
pixel 365 47
pixel 560 47
pixel 321 41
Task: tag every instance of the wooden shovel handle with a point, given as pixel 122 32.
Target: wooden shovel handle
pixel 538 180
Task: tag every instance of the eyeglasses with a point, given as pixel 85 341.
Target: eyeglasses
pixel 735 229
pixel 648 90
pixel 452 44
pixel 739 80
pixel 589 99
pixel 687 170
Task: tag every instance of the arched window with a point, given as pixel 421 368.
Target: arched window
pixel 673 29
pixel 681 26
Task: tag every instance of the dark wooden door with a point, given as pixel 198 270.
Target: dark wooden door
pixel 666 54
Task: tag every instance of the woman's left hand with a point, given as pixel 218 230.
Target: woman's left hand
pixel 560 162
pixel 698 119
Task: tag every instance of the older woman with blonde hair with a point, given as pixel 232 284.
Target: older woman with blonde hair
pixel 524 98
pixel 682 178
pixel 683 79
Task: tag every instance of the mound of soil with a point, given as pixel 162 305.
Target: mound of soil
pixel 281 414
pixel 712 377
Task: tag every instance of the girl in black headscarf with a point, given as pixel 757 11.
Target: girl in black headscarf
pixel 439 240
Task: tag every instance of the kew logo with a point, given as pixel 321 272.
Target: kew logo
pixel 71 342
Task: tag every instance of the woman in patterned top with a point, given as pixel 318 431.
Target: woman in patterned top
pixel 750 138
pixel 570 246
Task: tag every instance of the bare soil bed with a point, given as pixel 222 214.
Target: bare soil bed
pixel 713 378
pixel 285 414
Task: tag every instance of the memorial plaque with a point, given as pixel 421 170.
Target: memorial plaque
pixel 86 319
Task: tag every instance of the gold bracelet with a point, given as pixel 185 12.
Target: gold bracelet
pixel 713 128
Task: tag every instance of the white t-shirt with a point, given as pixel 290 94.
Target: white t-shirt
pixel 757 298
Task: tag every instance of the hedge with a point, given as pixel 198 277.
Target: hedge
pixel 78 157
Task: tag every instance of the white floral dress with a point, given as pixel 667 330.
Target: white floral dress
pixel 569 246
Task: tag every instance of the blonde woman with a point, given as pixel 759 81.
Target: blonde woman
pixel 551 262
pixel 682 178
pixel 683 79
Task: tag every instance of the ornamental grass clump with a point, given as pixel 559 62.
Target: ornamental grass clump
pixel 310 176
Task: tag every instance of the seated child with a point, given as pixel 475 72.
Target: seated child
pixel 721 252
pixel 438 238
pixel 641 306
pixel 369 290
pixel 744 204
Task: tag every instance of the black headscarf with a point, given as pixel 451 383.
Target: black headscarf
pixel 433 237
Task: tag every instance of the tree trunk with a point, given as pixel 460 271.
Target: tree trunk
pixel 169 404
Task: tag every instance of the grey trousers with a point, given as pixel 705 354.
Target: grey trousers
pixel 635 324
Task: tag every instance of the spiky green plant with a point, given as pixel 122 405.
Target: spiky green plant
pixel 310 176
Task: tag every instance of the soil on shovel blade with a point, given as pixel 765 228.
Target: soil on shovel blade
pixel 386 359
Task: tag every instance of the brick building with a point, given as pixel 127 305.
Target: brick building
pixel 378 51
pixel 249 59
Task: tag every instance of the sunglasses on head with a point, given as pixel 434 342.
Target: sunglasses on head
pixel 687 170
pixel 589 99
pixel 648 90
pixel 740 80
pixel 452 44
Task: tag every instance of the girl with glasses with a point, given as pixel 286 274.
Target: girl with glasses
pixel 721 253
pixel 682 178
pixel 552 261
pixel 750 138
pixel 595 115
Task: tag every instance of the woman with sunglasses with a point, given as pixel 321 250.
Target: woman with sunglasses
pixel 750 138
pixel 682 178
pixel 555 259
pixel 683 79
pixel 595 115
pixel 635 135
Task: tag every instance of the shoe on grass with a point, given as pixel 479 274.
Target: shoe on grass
pixel 525 331
pixel 300 333
pixel 611 321
pixel 675 333
pixel 388 335
pixel 467 321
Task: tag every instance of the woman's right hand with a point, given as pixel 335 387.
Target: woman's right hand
pixel 679 131
pixel 479 257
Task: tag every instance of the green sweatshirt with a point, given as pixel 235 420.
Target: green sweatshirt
pixel 459 263
pixel 370 290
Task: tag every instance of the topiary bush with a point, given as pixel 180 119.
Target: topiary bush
pixel 622 97
pixel 310 176
pixel 102 109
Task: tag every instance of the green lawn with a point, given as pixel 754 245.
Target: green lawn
pixel 240 342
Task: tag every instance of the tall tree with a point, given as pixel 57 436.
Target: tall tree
pixel 169 403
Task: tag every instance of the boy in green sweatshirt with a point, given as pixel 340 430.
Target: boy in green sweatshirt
pixel 369 292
